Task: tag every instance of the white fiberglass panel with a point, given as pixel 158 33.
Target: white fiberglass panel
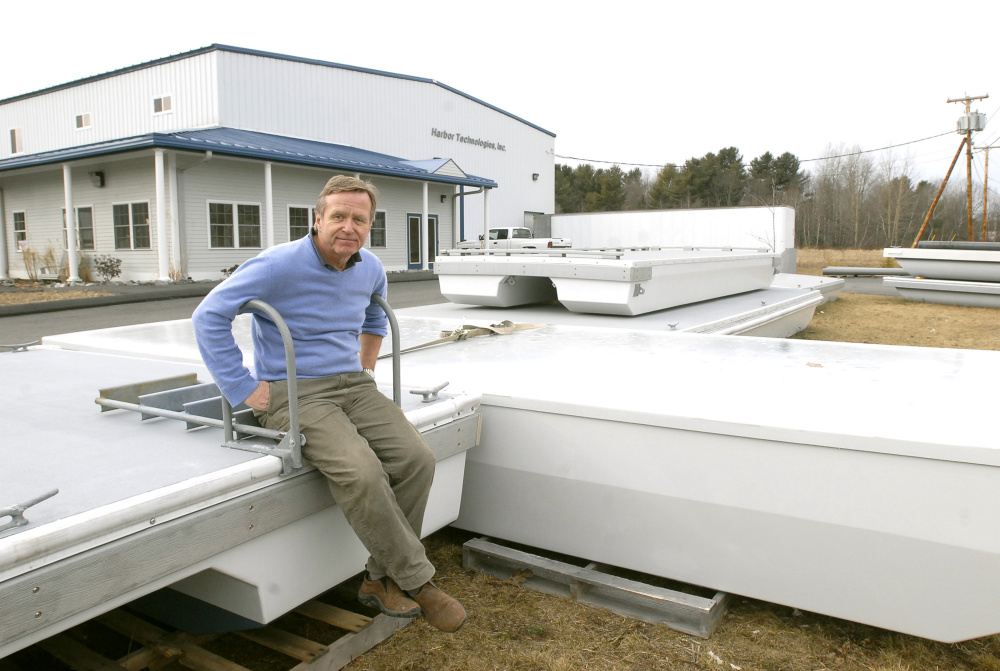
pixel 728 385
pixel 948 264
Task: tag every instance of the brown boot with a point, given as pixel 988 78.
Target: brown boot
pixel 440 610
pixel 386 596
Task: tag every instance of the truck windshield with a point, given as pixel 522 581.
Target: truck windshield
pixel 522 233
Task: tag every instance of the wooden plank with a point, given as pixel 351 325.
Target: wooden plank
pixel 350 647
pixel 76 655
pixel 294 646
pixel 172 646
pixel 338 617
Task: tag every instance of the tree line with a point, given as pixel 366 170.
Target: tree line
pixel 848 199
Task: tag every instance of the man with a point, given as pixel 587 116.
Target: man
pixel 378 467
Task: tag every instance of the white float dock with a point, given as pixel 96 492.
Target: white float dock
pixel 144 505
pixel 630 281
pixel 951 273
pixel 774 469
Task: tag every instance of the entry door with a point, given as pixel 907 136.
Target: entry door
pixel 414 241
pixel 413 238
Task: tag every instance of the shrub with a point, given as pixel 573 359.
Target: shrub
pixel 108 266
pixel 226 272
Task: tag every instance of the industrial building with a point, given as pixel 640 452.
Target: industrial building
pixel 190 164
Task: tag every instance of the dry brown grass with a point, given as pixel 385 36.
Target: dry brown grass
pixel 24 296
pixel 813 261
pixel 511 627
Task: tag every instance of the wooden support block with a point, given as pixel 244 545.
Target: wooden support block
pixel 350 647
pixel 294 646
pixel 337 617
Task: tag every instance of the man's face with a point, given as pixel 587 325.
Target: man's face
pixel 343 227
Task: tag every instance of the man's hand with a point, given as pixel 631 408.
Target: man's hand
pixel 260 397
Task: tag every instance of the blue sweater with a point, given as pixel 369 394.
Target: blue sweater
pixel 326 311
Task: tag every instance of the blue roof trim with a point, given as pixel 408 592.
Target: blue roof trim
pixel 268 54
pixel 254 145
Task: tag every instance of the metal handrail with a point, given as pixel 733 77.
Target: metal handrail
pixel 291 455
pixel 397 387
pixel 293 438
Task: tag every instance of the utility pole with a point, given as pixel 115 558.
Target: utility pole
pixel 968 123
pixel 986 182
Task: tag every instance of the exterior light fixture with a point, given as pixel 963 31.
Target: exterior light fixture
pixel 96 178
pixel 534 177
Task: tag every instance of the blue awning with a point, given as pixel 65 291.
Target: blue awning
pixel 261 146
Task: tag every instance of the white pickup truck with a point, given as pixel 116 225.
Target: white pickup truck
pixel 515 238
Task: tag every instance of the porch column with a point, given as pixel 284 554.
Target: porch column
pixel 456 223
pixel 4 261
pixel 162 244
pixel 425 233
pixel 175 218
pixel 268 208
pixel 70 226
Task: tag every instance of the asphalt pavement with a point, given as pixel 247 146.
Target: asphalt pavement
pixel 144 303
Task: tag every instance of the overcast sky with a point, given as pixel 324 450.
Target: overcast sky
pixel 626 82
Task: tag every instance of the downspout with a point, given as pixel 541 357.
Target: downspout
pixel 461 196
pixel 268 208
pixel 4 261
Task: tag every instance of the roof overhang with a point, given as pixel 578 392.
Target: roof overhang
pixel 258 146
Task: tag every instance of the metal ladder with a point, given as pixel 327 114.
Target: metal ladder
pixel 202 404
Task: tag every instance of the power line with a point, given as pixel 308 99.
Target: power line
pixel 807 160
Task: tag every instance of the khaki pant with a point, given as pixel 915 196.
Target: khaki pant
pixel 377 465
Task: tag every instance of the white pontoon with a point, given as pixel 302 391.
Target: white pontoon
pixel 144 504
pixel 631 281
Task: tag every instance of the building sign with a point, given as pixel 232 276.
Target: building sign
pixel 466 139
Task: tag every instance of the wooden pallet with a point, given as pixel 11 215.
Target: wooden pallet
pixel 678 609
pixel 157 649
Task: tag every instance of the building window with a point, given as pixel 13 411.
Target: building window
pixel 227 231
pixel 299 222
pixel 16 141
pixel 376 237
pixel 161 105
pixel 82 121
pixel 131 221
pixel 84 228
pixel 20 232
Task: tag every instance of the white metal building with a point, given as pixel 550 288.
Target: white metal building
pixel 189 164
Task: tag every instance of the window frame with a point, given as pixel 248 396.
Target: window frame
pixel 80 119
pixel 310 213
pixel 132 225
pixel 79 242
pixel 384 229
pixel 234 208
pixel 23 232
pixel 16 141
pixel 169 97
